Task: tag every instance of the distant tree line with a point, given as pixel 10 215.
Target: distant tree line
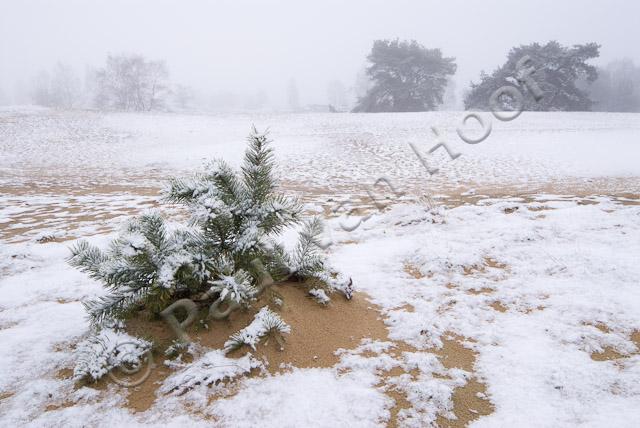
pixel 130 82
pixel 401 76
pixel 124 83
pixel 406 76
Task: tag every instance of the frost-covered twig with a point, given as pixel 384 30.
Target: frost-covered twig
pixel 319 296
pixel 237 287
pixel 106 350
pixel 265 322
pixel 209 369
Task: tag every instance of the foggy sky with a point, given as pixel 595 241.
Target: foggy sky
pixel 245 46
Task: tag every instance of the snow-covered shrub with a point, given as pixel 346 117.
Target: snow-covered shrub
pixel 266 322
pixel 234 220
pixel 221 257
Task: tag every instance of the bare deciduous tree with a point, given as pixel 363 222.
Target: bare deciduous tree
pixel 130 82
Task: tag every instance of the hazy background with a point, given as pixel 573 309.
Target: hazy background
pixel 250 46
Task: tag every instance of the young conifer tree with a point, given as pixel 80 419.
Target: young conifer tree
pixel 235 218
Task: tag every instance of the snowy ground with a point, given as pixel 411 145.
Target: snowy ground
pixel 531 260
pixel 84 148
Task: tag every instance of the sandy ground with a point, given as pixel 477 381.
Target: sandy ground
pixel 50 202
pixel 318 332
pixel 59 213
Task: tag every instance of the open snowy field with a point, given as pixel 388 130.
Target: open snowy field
pixel 64 168
pixel 86 148
pixel 507 297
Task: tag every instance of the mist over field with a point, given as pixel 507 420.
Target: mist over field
pixel 319 214
pixel 252 49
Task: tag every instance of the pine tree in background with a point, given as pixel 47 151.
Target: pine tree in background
pixel 557 70
pixel 234 220
pixel 405 76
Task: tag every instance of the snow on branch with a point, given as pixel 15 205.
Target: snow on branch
pixel 210 369
pixel 106 350
pixel 264 323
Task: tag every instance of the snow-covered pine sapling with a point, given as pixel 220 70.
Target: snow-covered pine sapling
pixel 220 258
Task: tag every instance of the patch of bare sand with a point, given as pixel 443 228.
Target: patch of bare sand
pixel 479 291
pixel 348 242
pixel 609 353
pixel 616 187
pixel 469 401
pixel 82 189
pixel 74 214
pixel 66 222
pixel 316 333
pixel 60 402
pixel 493 263
pixel 413 270
pixel 620 187
pixel 71 216
pixel 487 262
pixel 497 306
pixel 532 310
pixel 600 326
pixel 407 308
